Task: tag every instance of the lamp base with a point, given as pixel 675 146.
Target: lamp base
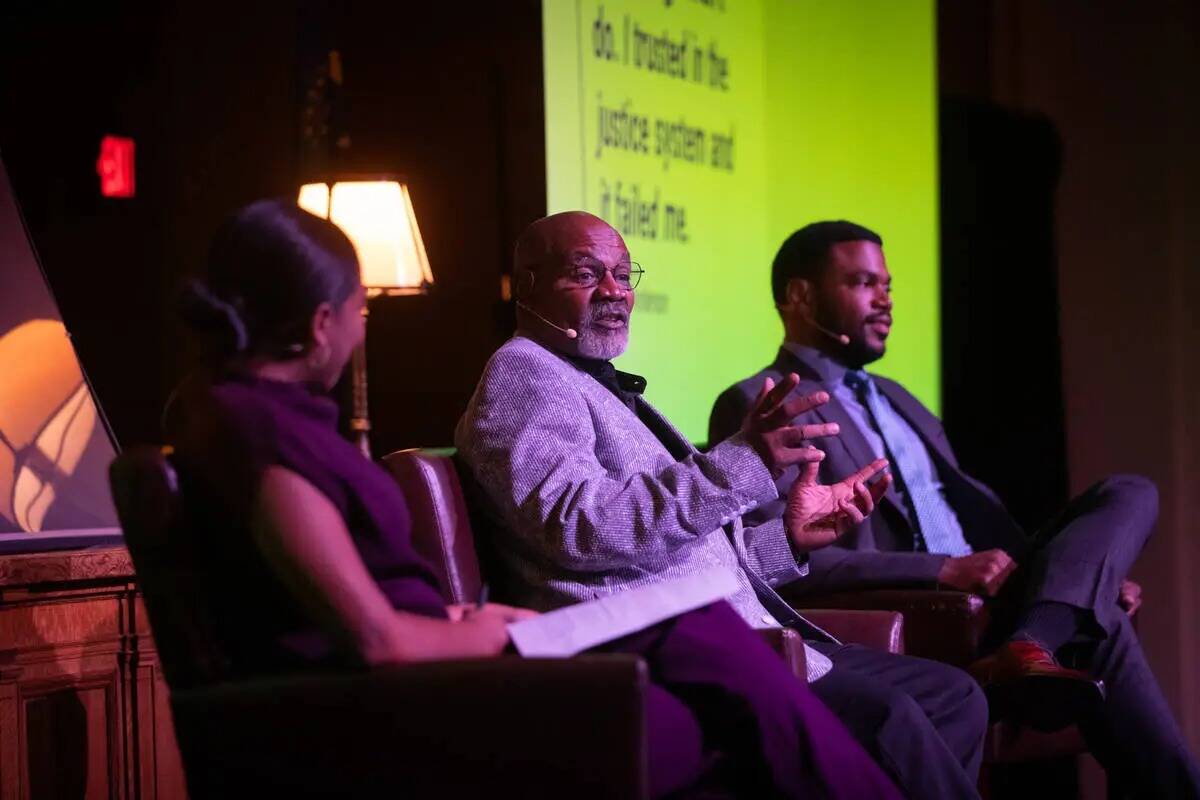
pixel 360 421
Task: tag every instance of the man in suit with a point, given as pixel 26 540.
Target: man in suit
pixel 594 492
pixel 1059 595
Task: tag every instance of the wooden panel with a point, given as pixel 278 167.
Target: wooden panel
pixel 84 710
pixel 28 628
pixel 10 742
pixel 161 766
pixel 72 745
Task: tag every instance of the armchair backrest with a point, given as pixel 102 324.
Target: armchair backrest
pixel 442 531
pixel 146 494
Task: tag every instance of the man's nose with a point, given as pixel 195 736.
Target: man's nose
pixel 883 299
pixel 608 286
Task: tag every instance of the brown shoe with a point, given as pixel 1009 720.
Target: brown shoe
pixel 1025 684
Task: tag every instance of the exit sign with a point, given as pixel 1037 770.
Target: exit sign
pixel 115 167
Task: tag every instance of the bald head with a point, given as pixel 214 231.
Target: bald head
pixel 553 239
pixel 552 260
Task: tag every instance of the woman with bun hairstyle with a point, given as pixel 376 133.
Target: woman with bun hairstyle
pixel 311 543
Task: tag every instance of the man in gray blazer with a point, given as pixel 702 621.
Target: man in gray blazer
pixel 592 492
pixel 1061 594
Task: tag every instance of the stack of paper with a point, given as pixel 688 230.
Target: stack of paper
pixel 571 630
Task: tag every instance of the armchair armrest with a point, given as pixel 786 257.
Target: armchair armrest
pixel 450 728
pixel 882 630
pixel 945 626
pixel 790 646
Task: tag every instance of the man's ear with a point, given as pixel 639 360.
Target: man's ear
pixel 799 294
pixel 524 287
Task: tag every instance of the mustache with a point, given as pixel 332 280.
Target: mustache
pixel 615 310
pixel 885 317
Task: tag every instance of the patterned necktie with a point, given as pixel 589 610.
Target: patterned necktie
pixel 935 520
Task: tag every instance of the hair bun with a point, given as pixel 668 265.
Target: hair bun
pixel 214 318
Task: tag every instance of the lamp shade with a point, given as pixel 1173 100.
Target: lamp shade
pixel 378 217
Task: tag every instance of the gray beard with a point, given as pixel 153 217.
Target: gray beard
pixel 602 345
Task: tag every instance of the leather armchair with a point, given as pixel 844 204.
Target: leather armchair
pixel 440 500
pixel 883 629
pixel 453 728
pixel 479 728
pixel 945 626
pixel 948 626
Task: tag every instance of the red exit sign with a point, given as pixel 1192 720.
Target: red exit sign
pixel 115 167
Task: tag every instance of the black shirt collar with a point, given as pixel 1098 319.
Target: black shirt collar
pixel 627 387
pixel 611 378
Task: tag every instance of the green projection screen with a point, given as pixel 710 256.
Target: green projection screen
pixel 706 131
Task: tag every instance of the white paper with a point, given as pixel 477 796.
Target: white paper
pixel 571 630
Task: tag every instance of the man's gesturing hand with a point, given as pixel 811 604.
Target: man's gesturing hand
pixel 816 514
pixel 983 573
pixel 768 429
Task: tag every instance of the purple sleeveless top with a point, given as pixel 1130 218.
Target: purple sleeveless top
pixel 226 434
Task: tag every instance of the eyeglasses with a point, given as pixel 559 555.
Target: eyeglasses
pixel 588 275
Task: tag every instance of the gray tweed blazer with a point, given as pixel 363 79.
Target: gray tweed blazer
pixel 586 501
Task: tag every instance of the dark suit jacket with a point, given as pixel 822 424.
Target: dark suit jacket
pixel 879 552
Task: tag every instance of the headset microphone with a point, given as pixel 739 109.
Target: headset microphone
pixel 570 333
pixel 840 338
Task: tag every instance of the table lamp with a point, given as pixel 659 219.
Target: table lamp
pixel 377 214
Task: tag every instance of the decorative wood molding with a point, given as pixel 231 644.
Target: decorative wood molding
pixel 66 566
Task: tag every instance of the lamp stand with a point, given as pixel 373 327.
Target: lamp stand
pixel 360 420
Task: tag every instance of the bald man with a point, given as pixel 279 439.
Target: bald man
pixel 592 491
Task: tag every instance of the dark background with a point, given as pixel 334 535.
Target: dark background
pixel 211 94
pixel 1070 203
